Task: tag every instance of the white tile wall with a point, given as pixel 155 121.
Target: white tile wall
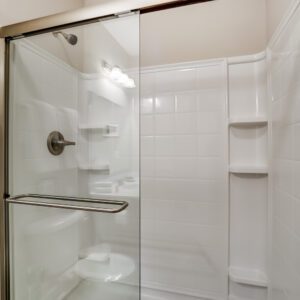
pixel 184 198
pixel 284 73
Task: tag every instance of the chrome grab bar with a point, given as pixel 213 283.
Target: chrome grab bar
pixel 20 199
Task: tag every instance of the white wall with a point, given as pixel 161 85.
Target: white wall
pixel 284 75
pixel 275 12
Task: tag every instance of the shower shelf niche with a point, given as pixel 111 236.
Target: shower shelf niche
pixel 250 169
pixel 248 277
pixel 248 149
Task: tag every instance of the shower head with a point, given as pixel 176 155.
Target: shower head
pixel 70 38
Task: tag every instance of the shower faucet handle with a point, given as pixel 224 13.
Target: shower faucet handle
pixel 65 143
pixel 56 143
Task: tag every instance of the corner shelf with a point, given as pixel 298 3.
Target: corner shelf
pixel 110 135
pixel 248 276
pixel 248 177
pixel 248 121
pixel 96 167
pixel 248 169
pixel 109 130
pixel 91 126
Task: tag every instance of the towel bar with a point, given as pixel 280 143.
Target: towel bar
pixel 32 199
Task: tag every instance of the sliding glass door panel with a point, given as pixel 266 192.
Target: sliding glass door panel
pixel 74 228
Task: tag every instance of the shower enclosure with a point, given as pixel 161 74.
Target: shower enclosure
pixel 129 182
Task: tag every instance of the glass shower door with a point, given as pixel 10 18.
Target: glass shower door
pixel 74 163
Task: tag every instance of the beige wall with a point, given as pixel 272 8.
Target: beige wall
pixel 214 29
pixel 209 30
pixel 13 11
pixel 275 11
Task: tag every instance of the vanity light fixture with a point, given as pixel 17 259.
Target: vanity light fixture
pixel 117 75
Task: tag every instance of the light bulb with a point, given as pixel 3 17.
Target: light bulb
pixel 130 83
pixel 116 73
pixel 123 79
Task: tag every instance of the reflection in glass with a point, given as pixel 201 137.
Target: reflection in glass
pixel 57 84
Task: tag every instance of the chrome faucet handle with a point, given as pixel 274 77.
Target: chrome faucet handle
pixel 65 143
pixel 56 143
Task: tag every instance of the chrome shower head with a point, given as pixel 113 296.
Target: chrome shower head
pixel 72 39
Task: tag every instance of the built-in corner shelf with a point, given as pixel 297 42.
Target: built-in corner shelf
pixel 248 169
pixel 108 130
pixel 248 277
pixel 248 177
pixel 248 121
pixel 94 167
pixel 110 135
pixel 91 126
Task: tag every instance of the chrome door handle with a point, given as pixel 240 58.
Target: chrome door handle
pixel 56 143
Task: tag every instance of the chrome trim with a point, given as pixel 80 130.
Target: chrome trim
pixel 56 143
pixel 21 199
pixel 79 15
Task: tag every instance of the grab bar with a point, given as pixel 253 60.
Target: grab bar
pixel 20 199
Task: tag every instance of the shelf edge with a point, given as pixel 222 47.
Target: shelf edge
pixel 248 170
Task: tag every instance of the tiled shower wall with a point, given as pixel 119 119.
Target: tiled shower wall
pixel 184 180
pixel 284 72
